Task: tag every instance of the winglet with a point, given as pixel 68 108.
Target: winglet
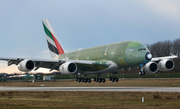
pixel 54 47
pixel 172 54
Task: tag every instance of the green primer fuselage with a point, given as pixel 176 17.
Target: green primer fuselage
pixel 123 54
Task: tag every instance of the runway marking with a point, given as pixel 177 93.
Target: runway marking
pixel 108 89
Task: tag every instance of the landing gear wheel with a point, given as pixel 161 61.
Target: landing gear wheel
pixel 97 79
pixel 110 78
pixel 143 73
pixel 104 81
pixel 79 79
pixel 116 79
pixel 94 79
pixel 140 73
pixel 76 78
pixel 85 80
pixel 100 80
pixel 89 80
pixel 113 79
pixel 82 79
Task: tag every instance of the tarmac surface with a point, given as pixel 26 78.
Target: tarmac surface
pixel 108 89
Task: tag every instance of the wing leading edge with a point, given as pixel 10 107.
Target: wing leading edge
pixel 162 58
pixel 54 64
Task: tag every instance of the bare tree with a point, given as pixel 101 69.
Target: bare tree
pixel 167 47
pixel 176 47
pixel 160 48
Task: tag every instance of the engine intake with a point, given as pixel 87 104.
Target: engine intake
pixel 68 68
pixel 150 67
pixel 26 65
pixel 166 65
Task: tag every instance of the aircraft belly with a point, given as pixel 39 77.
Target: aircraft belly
pixel 108 70
pixel 112 68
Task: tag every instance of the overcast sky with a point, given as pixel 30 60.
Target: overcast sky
pixel 83 24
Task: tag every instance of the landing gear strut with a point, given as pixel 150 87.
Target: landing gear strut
pixel 141 72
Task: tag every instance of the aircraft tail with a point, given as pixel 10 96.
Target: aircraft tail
pixel 53 44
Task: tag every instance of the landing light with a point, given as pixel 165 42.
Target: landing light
pixel 148 56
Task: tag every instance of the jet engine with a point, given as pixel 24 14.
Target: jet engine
pixel 26 65
pixel 68 68
pixel 150 67
pixel 166 65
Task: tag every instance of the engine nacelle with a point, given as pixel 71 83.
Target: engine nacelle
pixel 150 67
pixel 166 65
pixel 68 68
pixel 26 65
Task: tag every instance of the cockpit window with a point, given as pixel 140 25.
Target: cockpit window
pixel 141 49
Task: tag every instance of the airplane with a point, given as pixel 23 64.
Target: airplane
pixel 110 58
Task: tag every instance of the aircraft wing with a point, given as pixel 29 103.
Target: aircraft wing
pixel 162 58
pixel 54 64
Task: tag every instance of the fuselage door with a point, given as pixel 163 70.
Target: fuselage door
pixel 130 53
pixel 106 51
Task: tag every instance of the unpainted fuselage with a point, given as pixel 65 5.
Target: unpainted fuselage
pixel 122 54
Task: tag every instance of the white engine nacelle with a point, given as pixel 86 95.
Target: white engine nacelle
pixel 166 65
pixel 68 68
pixel 150 67
pixel 26 65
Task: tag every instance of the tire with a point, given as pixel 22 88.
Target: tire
pixel 140 73
pixel 143 73
pixel 99 80
pixel 82 79
pixel 89 80
pixel 85 80
pixel 79 79
pixel 76 78
pixel 113 79
pixel 110 78
pixel 94 79
pixel 104 80
pixel 117 79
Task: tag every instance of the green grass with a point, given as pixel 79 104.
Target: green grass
pixel 90 100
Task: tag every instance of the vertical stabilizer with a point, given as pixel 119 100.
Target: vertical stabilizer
pixel 53 44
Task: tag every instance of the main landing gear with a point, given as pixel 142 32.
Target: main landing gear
pixel 85 80
pixel 113 79
pixel 99 79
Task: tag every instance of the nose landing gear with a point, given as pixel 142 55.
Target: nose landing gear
pixel 141 73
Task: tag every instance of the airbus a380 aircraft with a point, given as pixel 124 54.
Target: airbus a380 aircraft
pixel 110 58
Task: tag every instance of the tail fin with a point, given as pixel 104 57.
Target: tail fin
pixel 53 44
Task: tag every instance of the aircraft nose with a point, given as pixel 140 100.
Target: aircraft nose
pixel 148 56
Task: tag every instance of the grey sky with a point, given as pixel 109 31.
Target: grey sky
pixel 84 23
